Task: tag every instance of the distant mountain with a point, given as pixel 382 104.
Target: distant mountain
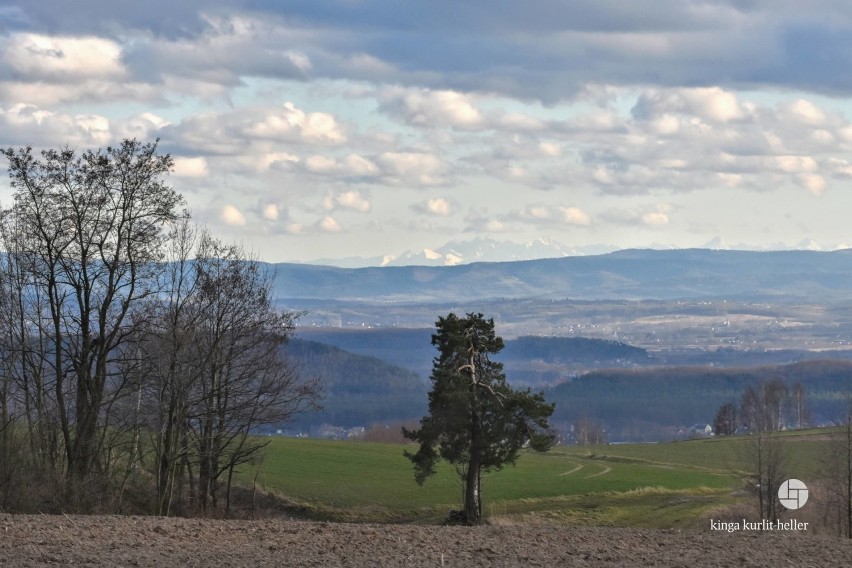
pixel 625 275
pixel 488 250
pixel 464 252
pixel 481 249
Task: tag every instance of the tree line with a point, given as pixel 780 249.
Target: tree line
pixel 136 352
pixel 769 406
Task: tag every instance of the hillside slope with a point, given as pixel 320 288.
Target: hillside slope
pixel 359 390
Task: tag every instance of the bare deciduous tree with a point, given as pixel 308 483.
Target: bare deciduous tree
pixel 588 431
pixel 768 459
pixel 838 468
pixel 216 367
pixel 93 228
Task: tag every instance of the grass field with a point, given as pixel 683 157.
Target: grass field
pixel 657 485
pixel 673 484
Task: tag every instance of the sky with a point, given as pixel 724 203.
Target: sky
pixel 355 128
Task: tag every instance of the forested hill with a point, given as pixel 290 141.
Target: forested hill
pixel 628 275
pixel 359 390
pixel 571 350
pixel 528 360
pixel 636 404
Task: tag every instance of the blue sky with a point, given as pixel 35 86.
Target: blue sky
pixel 349 128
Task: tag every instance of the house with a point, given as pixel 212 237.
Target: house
pixel 701 431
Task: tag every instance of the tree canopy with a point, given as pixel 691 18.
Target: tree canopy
pixel 476 421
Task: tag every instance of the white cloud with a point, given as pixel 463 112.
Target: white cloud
pixel 708 103
pixel 329 225
pixel 352 165
pixel 529 104
pixel 796 164
pixel 437 206
pixel 424 107
pixel 665 124
pixel 70 59
pixel 649 216
pixel 575 216
pixel 270 212
pixel 84 91
pixel 658 217
pixel 814 183
pixel 290 122
pixel 359 166
pixel 352 200
pixel 142 126
pixel 24 124
pixel 655 218
pixel 540 212
pixel 416 168
pixel 550 149
pixel 232 216
pixel 494 226
pixel 191 167
pixel 806 111
pixel 321 164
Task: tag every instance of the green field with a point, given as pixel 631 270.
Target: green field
pixel 657 485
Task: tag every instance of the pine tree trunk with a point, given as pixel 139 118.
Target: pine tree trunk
pixel 472 504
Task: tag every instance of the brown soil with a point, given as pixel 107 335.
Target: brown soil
pixel 159 542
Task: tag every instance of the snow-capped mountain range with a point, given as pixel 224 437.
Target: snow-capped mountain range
pixel 475 250
pixel 489 250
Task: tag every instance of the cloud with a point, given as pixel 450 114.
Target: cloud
pixel 412 168
pixel 23 124
pixel 658 215
pixel 191 167
pixel 709 103
pixel 814 183
pixel 655 218
pixel 551 53
pixel 328 225
pixel 578 107
pixel 424 107
pixel 245 130
pixel 67 59
pixel 438 207
pixel 479 220
pixel 575 216
pixel 232 216
pixel 270 212
pixel 805 111
pixel 352 165
pixel 351 200
pixel 541 215
pixel 290 122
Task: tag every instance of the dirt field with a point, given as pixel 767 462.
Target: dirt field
pixel 158 542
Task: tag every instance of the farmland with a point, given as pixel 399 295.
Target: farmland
pixel 651 485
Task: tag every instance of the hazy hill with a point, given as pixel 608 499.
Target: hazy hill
pixel 571 350
pixel 359 390
pixel 635 404
pixel 630 274
pixel 528 360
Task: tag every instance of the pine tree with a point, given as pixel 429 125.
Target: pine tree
pixel 476 421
